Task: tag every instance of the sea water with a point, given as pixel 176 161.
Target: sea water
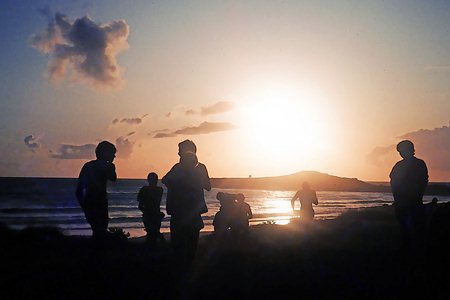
pixel 51 202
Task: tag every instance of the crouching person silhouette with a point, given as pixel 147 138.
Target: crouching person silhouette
pixel 91 188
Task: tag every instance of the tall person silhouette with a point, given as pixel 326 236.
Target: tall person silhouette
pixel 91 188
pixel 409 179
pixel 185 201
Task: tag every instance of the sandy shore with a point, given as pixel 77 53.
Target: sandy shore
pixel 357 255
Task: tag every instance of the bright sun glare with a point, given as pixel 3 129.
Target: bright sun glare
pixel 285 125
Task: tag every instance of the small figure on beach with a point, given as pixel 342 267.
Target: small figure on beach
pixel 149 198
pixel 91 188
pixel 409 179
pixel 307 198
pixel 185 203
pixel 234 213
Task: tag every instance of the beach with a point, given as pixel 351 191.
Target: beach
pixel 357 255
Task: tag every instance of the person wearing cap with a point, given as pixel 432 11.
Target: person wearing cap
pixel 408 180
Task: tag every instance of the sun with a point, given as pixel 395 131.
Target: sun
pixel 286 125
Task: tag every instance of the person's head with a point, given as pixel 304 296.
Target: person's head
pixel 152 179
pixel 305 185
pixel 186 146
pixel 240 197
pixel 189 160
pixel 406 148
pixel 105 151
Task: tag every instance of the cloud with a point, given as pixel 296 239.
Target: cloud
pixel 377 155
pixel 431 145
pixel 130 121
pixel 190 112
pixel 87 48
pixel 124 147
pixel 65 151
pixel 218 108
pixel 31 142
pixel 203 128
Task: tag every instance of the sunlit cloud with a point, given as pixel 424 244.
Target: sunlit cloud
pixel 31 142
pixel 377 155
pixel 431 145
pixel 217 108
pixel 65 151
pixel 203 128
pixel 86 48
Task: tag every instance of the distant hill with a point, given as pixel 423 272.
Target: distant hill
pixel 318 181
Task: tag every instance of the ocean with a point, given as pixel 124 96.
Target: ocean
pixel 51 202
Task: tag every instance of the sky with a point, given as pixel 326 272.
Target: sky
pixel 264 88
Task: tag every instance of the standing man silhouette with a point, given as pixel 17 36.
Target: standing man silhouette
pixel 409 178
pixel 91 188
pixel 185 201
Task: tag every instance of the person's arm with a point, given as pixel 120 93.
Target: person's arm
pixel 81 185
pixel 249 211
pixel 316 201
pixel 111 171
pixel 293 200
pixel 206 181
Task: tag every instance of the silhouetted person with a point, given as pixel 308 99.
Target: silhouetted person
pixel 307 198
pixel 185 201
pixel 223 219
pixel 242 214
pixel 409 178
pixel 149 198
pixel 91 188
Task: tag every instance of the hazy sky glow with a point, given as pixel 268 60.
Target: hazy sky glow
pixel 262 87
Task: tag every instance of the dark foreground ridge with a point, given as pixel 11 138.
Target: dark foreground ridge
pixel 357 255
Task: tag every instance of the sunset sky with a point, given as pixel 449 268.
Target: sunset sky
pixel 263 88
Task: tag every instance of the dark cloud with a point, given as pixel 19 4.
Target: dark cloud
pixel 203 128
pixel 130 121
pixel 31 142
pixel 218 108
pixel 87 48
pixel 160 135
pixel 431 145
pixel 190 112
pixel 124 147
pixel 65 151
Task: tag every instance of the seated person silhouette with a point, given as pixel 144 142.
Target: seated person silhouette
pixel 233 214
pixel 149 198
pixel 241 214
pixel 223 218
